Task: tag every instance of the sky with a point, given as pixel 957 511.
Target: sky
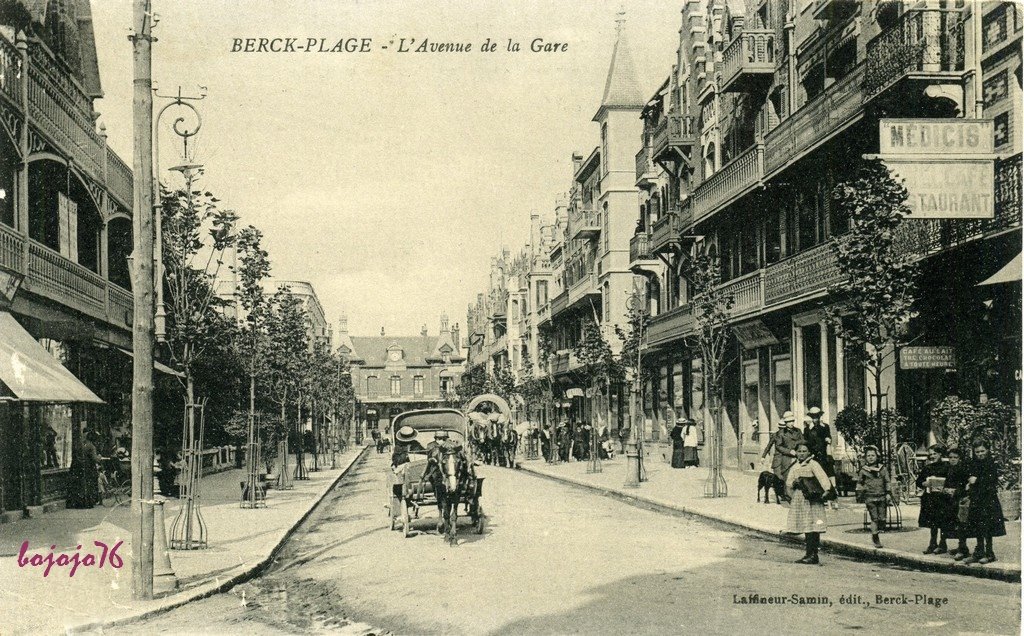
pixel 388 180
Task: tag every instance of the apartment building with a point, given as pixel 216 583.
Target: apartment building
pixel 772 103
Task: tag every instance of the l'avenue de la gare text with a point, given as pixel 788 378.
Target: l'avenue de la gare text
pixel 398 45
pixel 845 599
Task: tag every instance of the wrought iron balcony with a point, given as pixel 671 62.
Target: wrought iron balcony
pixel 674 137
pixel 924 45
pixel 815 122
pixel 808 273
pixel 670 325
pixel 729 183
pixel 749 62
pixel 747 293
pixel 583 225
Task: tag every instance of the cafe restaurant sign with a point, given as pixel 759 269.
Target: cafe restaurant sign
pixel 947 165
pixel 927 358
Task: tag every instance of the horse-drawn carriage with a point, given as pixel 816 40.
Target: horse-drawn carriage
pixel 492 434
pixel 454 482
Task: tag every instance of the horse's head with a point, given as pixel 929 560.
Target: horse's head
pixel 453 465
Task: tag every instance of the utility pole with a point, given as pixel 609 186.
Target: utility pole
pixel 142 288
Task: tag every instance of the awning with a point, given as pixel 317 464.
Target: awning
pixel 30 374
pixel 1010 273
pixel 159 366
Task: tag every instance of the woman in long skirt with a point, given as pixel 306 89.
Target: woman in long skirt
pixel 807 516
pixel 677 444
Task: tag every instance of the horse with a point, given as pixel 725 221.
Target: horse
pixel 510 446
pixel 448 470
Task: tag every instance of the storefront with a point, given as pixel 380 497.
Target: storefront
pixel 42 414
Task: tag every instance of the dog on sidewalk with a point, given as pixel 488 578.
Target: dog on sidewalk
pixel 767 480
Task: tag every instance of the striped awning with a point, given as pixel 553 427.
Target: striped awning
pixel 29 373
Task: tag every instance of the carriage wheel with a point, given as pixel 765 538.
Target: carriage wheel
pixel 481 520
pixel 406 522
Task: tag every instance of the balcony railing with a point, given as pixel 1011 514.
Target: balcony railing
pixel 665 231
pixel 645 173
pixel 815 122
pixel 119 179
pixel 57 278
pixel 640 248
pixel 12 249
pixel 808 272
pixel 747 293
pixel 671 325
pixel 921 237
pixel 749 58
pixel 583 225
pixel 735 178
pixel 120 306
pixel 59 107
pixel 10 70
pixel 673 137
pixel 559 303
pixel 923 41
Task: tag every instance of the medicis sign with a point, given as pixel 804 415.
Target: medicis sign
pixel 947 165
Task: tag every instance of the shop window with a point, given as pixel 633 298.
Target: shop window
pixel 996 88
pixel 1001 128
pixel 56 423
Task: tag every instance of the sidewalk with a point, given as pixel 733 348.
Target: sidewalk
pixel 682 490
pixel 241 542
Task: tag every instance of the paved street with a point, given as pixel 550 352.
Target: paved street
pixel 556 559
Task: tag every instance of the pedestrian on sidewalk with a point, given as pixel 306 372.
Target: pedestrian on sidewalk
pixel 84 476
pixel 819 438
pixel 676 435
pixel 872 489
pixel 985 514
pixel 956 488
pixel 936 506
pixel 810 487
pixel 784 442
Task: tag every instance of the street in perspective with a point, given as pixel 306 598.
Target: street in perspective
pixel 487 318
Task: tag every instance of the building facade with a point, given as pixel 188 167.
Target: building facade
pixel 393 374
pixel 769 106
pixel 65 234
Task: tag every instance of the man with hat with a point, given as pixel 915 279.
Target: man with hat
pixel 819 441
pixel 785 441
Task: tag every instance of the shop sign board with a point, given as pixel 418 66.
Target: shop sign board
pixel 927 358
pixel 947 165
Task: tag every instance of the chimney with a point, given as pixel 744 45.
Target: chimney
pixel 577 162
pixel 343 325
pixel 455 339
pixel 423 331
pixel 382 330
pixel 444 323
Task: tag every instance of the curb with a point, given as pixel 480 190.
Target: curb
pixel 219 588
pixel 845 548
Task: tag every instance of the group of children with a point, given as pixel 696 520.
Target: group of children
pixel 959 502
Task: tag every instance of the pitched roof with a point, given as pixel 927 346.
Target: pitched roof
pixel 418 350
pixel 621 88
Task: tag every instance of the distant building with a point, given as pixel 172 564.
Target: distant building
pixel 319 328
pixel 392 374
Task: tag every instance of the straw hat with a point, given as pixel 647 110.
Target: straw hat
pixel 788 417
pixel 406 434
pixel 814 412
